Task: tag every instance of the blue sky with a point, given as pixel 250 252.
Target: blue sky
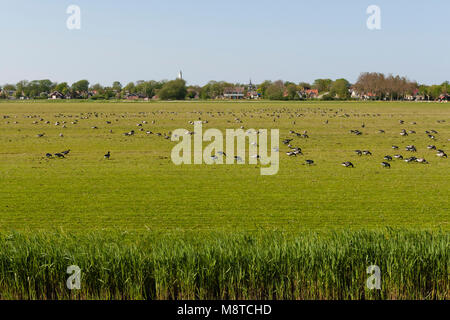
pixel 223 40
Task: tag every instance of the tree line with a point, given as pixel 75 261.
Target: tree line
pixel 376 86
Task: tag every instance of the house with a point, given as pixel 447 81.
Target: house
pixel 252 92
pixel 56 95
pixel 134 96
pixel 234 93
pixel 308 93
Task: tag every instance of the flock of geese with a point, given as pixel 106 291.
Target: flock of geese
pixel 293 150
pixel 388 158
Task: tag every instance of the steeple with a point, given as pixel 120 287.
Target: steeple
pixel 180 75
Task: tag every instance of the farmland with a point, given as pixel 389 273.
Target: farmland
pixel 140 192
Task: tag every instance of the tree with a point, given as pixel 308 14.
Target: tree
pixel 340 88
pixel 263 87
pixel 130 88
pixel 173 90
pixel 62 87
pixel 275 91
pixel 304 86
pixel 81 88
pixel 322 85
pixel 117 86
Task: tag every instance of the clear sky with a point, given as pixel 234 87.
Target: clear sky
pixel 230 40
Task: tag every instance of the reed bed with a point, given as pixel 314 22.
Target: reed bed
pixel 123 265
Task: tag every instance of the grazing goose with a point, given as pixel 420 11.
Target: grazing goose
pixel 388 158
pixel 398 156
pixel 309 162
pixel 40 135
pixel 411 148
pixel 66 152
pixel 358 152
pixel 395 147
pixel 431 147
pixel 411 159
pixel 386 165
pixel 291 154
pixel 49 155
pixel 107 155
pixel 421 160
pixel 347 164
pixel 367 153
pixel 442 154
pixel 59 155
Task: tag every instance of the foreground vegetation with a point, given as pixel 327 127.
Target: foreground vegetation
pixel 140 227
pixel 414 265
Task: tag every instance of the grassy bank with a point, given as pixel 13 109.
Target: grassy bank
pixel 116 265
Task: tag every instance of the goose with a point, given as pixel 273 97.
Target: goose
pixel 398 156
pixel 66 152
pixel 291 154
pixel 59 155
pixel 421 160
pixel 431 147
pixel 388 158
pixel 434 131
pixel 348 164
pixel 431 136
pixel 442 154
pixel 61 135
pixel 309 162
pixel 40 135
pixel 358 152
pixel 411 159
pixel 49 155
pixel 367 153
pixel 411 148
pixel 403 133
pixel 107 155
pixel 386 165
pixel 381 131
pixel 394 147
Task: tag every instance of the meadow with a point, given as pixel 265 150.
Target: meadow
pixel 323 217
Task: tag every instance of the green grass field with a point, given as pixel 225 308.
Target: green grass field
pixel 141 192
pixel 141 189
